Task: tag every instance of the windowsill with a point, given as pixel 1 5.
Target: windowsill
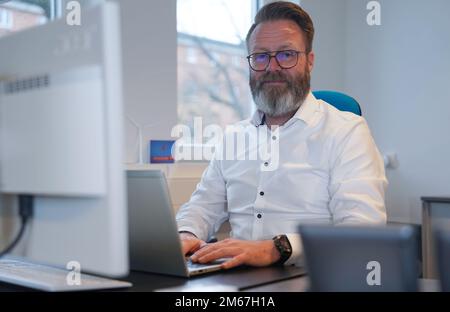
pixel 178 170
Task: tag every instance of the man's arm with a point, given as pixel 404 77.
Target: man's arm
pixel 197 218
pixel 358 181
pixel 357 184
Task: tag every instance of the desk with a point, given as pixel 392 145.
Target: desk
pixel 239 278
pixel 243 278
pixel 270 279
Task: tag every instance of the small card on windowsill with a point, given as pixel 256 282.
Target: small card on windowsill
pixel 161 151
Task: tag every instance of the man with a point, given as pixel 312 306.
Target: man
pixel 330 170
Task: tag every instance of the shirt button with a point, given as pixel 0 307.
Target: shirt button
pixel 259 216
pixel 261 193
pixel 266 164
pixel 274 137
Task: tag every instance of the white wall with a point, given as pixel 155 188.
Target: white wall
pixel 400 73
pixel 329 44
pixel 149 39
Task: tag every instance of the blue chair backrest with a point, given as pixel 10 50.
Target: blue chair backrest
pixel 339 100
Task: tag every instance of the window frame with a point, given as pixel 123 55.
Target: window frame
pixel 7 18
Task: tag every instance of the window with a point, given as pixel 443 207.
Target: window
pixel 6 21
pixel 211 61
pixel 237 61
pixel 191 55
pixel 17 15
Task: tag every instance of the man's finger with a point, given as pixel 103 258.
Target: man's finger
pixel 236 261
pixel 190 246
pixel 205 249
pixel 216 254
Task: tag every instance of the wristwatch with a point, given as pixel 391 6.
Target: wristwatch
pixel 284 248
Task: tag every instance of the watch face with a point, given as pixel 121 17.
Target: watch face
pixel 283 246
pixel 285 243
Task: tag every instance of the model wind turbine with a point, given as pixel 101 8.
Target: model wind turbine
pixel 140 130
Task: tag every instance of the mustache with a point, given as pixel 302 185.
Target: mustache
pixel 273 76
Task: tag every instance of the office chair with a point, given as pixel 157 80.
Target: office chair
pixel 339 100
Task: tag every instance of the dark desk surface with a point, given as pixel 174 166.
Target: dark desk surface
pixel 244 278
pixel 270 279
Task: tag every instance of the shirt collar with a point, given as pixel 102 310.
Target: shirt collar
pixel 305 113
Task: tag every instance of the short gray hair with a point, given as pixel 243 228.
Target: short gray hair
pixel 283 10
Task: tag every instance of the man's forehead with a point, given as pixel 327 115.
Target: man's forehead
pixel 281 32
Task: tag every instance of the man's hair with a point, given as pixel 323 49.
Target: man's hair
pixel 283 10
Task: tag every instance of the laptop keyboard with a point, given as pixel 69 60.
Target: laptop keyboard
pixel 195 265
pixel 192 265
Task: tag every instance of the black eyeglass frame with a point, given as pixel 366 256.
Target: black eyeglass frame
pixel 273 54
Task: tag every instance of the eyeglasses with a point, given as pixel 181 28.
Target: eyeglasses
pixel 285 59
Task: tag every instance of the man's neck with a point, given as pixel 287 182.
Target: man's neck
pixel 278 120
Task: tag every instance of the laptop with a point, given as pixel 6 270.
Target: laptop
pixel 361 258
pixel 154 240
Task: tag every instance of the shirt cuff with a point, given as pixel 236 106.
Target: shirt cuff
pixel 190 230
pixel 296 257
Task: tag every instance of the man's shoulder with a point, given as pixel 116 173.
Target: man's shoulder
pixel 338 116
pixel 338 121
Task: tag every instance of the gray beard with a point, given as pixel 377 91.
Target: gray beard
pixel 277 106
pixel 279 101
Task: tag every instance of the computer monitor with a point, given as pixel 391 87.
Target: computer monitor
pixel 61 142
pixel 358 258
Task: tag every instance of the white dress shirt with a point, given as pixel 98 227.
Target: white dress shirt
pixel 329 172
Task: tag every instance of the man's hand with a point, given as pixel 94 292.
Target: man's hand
pixel 254 253
pixel 190 243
